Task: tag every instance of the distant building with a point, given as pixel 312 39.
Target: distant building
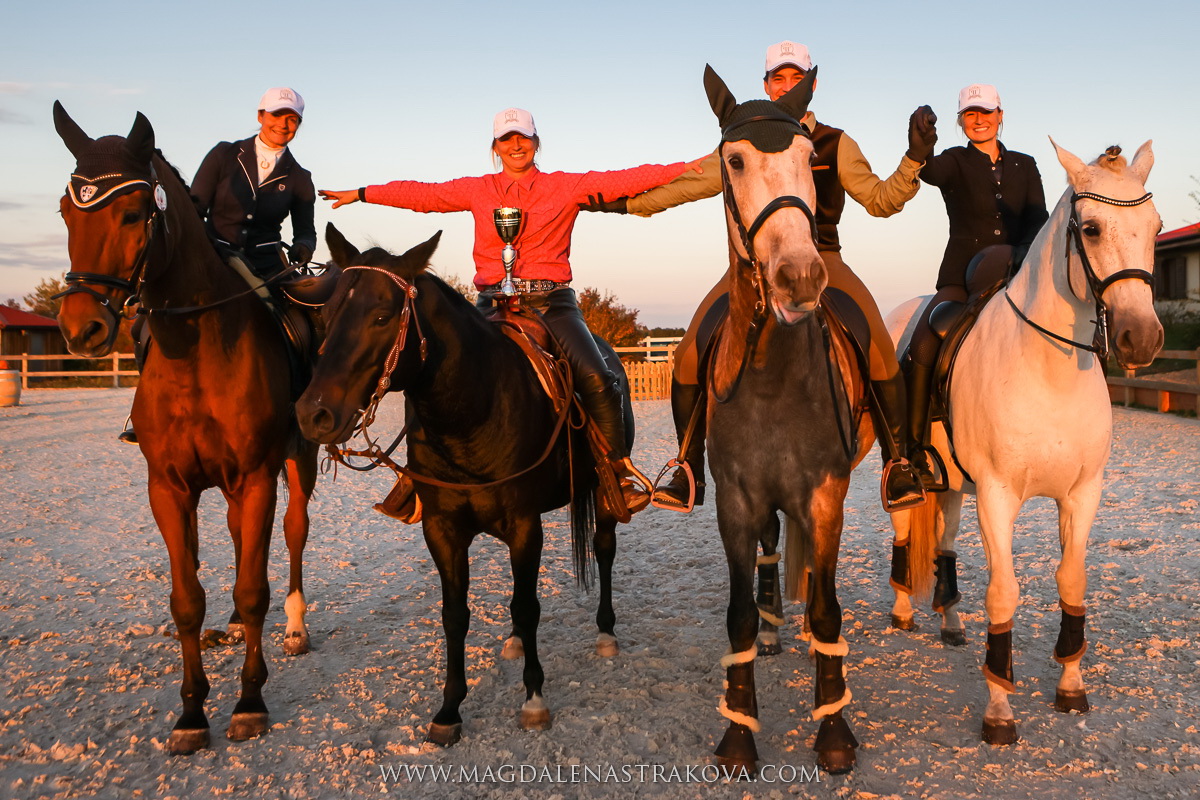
pixel 22 332
pixel 1177 264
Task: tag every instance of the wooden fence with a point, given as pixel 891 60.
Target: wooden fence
pixel 115 372
pixel 1155 393
pixel 649 380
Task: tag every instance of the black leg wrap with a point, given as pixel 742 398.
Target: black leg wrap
pixel 1071 642
pixel 900 579
pixel 835 745
pixel 945 589
pixel 997 665
pixel 830 685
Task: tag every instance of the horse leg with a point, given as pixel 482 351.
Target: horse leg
pixel 301 479
pixel 945 590
pixel 997 511
pixel 901 580
pixel 770 600
pixel 835 744
pixel 525 554
pixel 604 545
pixel 236 631
pixel 740 536
pixel 174 510
pixel 252 597
pixel 450 555
pixel 1075 515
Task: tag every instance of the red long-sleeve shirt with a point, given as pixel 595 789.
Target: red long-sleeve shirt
pixel 548 200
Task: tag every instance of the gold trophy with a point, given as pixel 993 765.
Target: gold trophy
pixel 508 225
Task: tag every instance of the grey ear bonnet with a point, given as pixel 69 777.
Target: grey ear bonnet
pixel 775 123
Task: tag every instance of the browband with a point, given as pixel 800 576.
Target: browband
pixel 89 194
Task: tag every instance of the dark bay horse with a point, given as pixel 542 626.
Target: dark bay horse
pixel 478 421
pixel 213 406
pixel 788 425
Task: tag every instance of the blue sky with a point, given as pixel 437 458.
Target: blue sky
pixel 404 90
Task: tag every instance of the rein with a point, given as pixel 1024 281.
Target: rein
pixel 1099 345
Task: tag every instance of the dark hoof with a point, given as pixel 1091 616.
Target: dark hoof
pixel 769 648
pixel 835 745
pixel 444 735
pixel 247 725
pixel 737 769
pixel 837 762
pixel 296 644
pixel 955 637
pixel 1068 701
pixel 903 623
pixel 1002 731
pixel 184 742
pixel 737 752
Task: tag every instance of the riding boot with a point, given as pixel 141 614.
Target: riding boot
pixel 901 487
pixel 678 493
pixel 402 502
pixel 919 381
pixel 141 344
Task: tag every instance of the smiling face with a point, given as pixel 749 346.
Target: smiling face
pixel 278 127
pixel 516 151
pixel 981 126
pixel 781 81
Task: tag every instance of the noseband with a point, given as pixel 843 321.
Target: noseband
pixel 1098 287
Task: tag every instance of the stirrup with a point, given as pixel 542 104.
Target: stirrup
pixel 940 481
pixel 634 485
pixel 670 503
pixel 403 505
pixel 128 435
pixel 891 506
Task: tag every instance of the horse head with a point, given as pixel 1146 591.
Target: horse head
pixel 373 342
pixel 766 167
pixel 1114 225
pixel 110 208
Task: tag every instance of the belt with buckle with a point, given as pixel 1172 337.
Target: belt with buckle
pixel 524 286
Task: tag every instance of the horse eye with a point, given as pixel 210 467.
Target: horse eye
pixel 131 217
pixel 1091 230
pixel 735 162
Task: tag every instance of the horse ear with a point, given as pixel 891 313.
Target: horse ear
pixel 140 141
pixel 342 251
pixel 69 131
pixel 1143 160
pixel 417 259
pixel 1073 164
pixel 799 96
pixel 719 97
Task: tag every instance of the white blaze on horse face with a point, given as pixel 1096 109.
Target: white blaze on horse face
pixel 792 267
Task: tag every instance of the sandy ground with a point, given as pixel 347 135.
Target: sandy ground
pixel 90 682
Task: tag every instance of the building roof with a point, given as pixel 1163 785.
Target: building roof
pixel 16 318
pixel 1179 236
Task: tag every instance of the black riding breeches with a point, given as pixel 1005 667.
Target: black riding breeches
pixel 989 266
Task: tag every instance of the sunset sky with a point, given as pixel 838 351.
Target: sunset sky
pixel 408 90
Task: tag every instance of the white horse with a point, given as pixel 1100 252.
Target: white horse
pixel 1029 411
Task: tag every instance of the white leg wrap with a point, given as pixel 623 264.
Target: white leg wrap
pixel 778 622
pixel 735 716
pixel 838 648
pixel 771 559
pixel 744 657
pixel 832 708
pixel 295 607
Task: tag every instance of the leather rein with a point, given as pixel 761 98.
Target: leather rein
pixel 1099 345
pixel 382 457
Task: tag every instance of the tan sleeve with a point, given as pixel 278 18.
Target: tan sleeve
pixel 689 186
pixel 881 198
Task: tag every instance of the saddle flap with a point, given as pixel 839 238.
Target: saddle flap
pixel 843 311
pixel 527 330
pixel 312 290
pixel 952 342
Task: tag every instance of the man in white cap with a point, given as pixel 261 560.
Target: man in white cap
pixel 245 190
pixel 839 169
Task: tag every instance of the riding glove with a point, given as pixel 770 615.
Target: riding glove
pixel 922 134
pixel 597 202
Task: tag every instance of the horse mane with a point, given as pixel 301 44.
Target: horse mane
pixel 1112 159
pixel 174 170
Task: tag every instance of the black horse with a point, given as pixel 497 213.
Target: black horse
pixel 488 449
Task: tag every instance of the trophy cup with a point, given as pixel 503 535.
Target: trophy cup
pixel 508 225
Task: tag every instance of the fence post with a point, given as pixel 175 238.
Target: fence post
pixel 1198 365
pixel 24 371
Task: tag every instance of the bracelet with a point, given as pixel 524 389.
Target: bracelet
pixel 362 194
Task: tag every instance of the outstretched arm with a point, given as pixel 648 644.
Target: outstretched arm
pixel 881 198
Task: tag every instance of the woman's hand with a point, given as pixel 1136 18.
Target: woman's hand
pixel 695 165
pixel 339 198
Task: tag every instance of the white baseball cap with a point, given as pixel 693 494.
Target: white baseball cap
pixel 280 98
pixel 788 53
pixel 513 119
pixel 979 95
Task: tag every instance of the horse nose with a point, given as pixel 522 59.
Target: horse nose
pixel 316 421
pixel 1137 345
pixel 89 341
pixel 798 285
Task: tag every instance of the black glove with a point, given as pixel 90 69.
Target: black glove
pixel 300 253
pixel 922 134
pixel 598 203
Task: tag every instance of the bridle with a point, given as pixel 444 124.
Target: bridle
pixel 1098 287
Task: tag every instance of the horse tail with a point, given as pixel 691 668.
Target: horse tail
pixel 924 534
pixel 583 508
pixel 797 562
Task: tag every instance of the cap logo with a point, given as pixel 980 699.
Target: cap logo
pixel 787 50
pixel 973 92
pixel 86 193
pixel 285 94
pixel 510 116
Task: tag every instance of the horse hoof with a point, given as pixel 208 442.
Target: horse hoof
pixel 1067 701
pixel 535 715
pixel 247 725
pixel 235 634
pixel 444 735
pixel 184 742
pixel 737 750
pixel 1000 731
pixel 513 649
pixel 955 637
pixel 769 646
pixel 903 623
pixel 607 646
pixel 295 644
pixel 737 769
pixel 837 762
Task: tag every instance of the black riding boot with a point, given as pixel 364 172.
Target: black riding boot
pixel 901 487
pixel 920 403
pixel 141 344
pixel 676 494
